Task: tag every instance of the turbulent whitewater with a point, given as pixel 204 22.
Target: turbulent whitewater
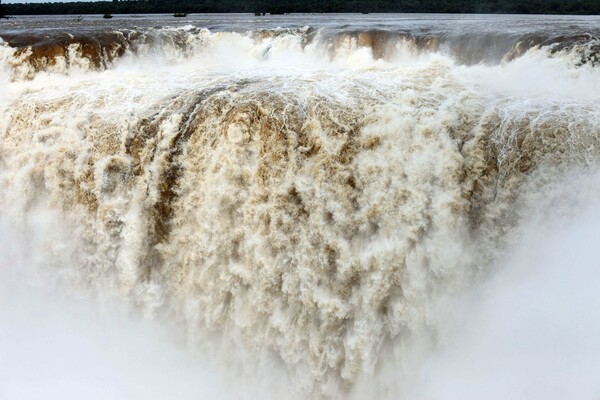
pixel 304 189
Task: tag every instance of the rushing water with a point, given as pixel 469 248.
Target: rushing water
pixel 328 205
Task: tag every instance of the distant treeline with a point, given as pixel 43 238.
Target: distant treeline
pixel 309 6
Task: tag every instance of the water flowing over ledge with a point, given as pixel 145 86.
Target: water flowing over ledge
pixel 309 195
pixel 91 45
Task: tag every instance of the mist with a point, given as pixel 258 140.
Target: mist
pixel 54 346
pixel 531 330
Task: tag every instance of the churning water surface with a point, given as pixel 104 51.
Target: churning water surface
pixel 300 206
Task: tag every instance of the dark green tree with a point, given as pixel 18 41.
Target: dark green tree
pixel 296 6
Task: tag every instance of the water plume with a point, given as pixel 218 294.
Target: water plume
pixel 305 197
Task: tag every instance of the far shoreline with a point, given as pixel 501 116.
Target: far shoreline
pixel 274 7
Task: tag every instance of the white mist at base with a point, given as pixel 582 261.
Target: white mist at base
pixel 52 348
pixel 532 331
pixel 529 332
